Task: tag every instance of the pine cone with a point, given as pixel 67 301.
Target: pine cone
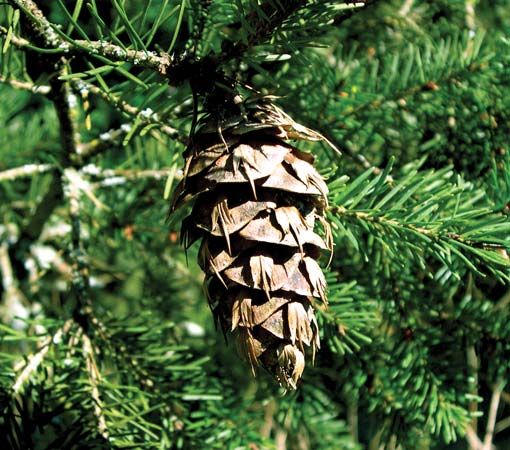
pixel 256 202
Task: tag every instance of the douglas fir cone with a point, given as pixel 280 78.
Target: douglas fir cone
pixel 256 202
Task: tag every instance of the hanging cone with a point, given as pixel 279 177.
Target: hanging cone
pixel 256 200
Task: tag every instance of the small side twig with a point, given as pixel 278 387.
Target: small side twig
pixel 352 418
pixel 471 15
pixel 14 305
pixel 35 360
pixel 406 7
pixel 95 378
pixel 126 174
pixel 493 411
pixel 274 15
pixel 503 302
pixel 17 41
pixel 472 439
pixel 103 142
pixel 25 171
pixel 502 425
pixel 144 117
pixel 26 86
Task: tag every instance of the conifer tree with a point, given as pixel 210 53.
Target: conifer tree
pixel 361 146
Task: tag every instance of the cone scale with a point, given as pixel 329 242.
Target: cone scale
pixel 257 203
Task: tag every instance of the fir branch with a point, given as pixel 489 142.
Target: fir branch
pixel 406 7
pixel 25 171
pixel 41 25
pixel 502 425
pixel 493 411
pixel 112 177
pixel 17 41
pixel 360 6
pixel 431 233
pixel 58 43
pixel 33 229
pixel 472 439
pixel 35 360
pixel 80 270
pixel 95 378
pixel 261 23
pixel 265 20
pixel 471 15
pixel 418 395
pixel 473 366
pixel 103 142
pixel 423 211
pixel 158 62
pixel 143 117
pixel 115 137
pixel 463 61
pixel 65 106
pixel 72 187
pixel 64 101
pixel 13 308
pixel 26 86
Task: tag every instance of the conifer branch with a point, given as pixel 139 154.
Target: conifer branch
pixel 57 43
pixel 103 142
pixel 26 86
pixel 80 269
pixel 15 40
pixel 360 6
pixel 503 302
pixel 405 9
pixel 268 17
pixel 110 177
pixel 493 412
pixel 64 101
pixel 473 367
pixel 423 233
pixel 25 171
pixel 262 23
pixel 35 360
pixel 415 88
pixel 143 117
pixel 428 233
pixel 472 439
pixel 13 299
pixel 470 15
pixel 405 212
pixel 91 170
pixel 502 425
pixel 95 379
pixel 50 200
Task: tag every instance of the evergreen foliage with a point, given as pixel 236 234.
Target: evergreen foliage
pixel 106 340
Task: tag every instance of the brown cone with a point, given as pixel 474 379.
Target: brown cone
pixel 256 200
